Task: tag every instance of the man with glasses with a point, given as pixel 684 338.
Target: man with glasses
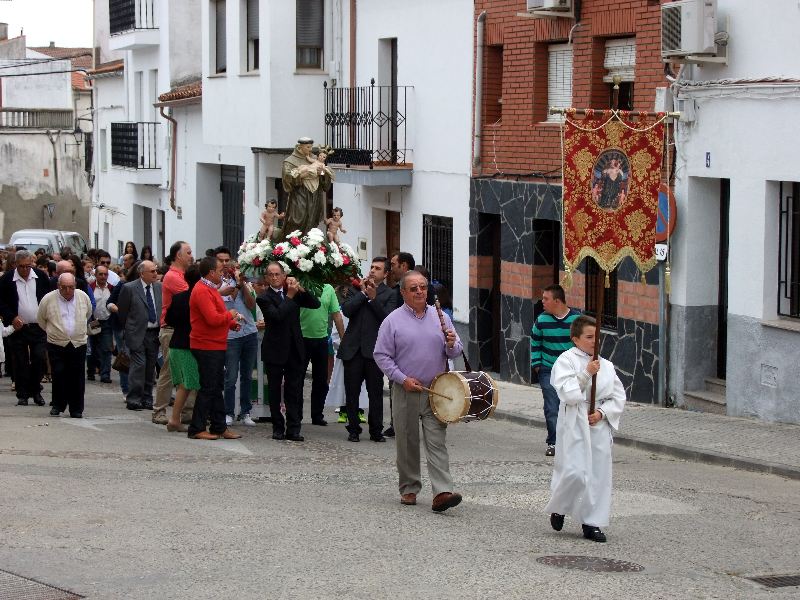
pixel 101 343
pixel 104 260
pixel 138 310
pixel 21 291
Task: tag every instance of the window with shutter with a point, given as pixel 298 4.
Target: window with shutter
pixel 252 35
pixel 621 60
pixel 559 78
pixel 221 39
pixel 310 33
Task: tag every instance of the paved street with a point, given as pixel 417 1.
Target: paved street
pixel 114 507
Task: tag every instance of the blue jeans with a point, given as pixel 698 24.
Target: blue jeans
pixel 551 403
pixel 101 351
pixel 123 377
pixel 240 357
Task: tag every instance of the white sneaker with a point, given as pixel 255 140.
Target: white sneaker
pixel 246 420
pixel 228 419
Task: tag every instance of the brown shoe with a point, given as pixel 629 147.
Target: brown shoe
pixel 229 435
pixel 160 419
pixel 409 499
pixel 445 500
pixel 178 427
pixel 204 435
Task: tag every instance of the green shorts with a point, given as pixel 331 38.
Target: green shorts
pixel 183 367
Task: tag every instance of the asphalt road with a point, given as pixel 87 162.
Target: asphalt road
pixel 114 507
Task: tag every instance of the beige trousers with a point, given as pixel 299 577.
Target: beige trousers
pixel 164 385
pixel 408 409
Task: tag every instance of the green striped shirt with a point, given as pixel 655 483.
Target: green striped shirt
pixel 550 338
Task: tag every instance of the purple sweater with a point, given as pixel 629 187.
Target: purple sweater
pixel 408 346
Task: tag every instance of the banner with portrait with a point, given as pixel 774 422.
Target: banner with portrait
pixel 612 173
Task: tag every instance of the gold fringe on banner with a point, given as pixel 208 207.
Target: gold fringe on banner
pixel 644 280
pixel 566 282
pixel 667 281
pixel 608 281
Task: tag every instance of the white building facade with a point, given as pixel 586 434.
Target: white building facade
pixel 735 311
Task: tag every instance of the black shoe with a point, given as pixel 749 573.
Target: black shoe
pixel 90 378
pixel 377 438
pixel 147 405
pixel 277 435
pixel 551 450
pixel 294 437
pixel 134 406
pixel 389 432
pixel 106 380
pixel 38 400
pixel 22 401
pixel 557 521
pixel 75 415
pixel 320 422
pixel 55 412
pixel 353 437
pixel 593 533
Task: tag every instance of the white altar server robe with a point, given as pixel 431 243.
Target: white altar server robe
pixel 581 483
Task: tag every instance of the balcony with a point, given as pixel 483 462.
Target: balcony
pixel 35 118
pixel 132 24
pixel 367 128
pixel 134 148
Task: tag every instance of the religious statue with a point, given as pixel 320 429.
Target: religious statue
pixel 307 180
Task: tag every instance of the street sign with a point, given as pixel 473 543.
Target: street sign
pixel 661 252
pixel 50 208
pixel 667 214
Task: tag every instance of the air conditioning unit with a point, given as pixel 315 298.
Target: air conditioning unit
pixel 535 4
pixel 688 28
pixel 556 5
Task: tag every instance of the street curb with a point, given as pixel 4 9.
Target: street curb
pixel 686 453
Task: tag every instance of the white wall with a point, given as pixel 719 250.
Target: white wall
pixel 37 91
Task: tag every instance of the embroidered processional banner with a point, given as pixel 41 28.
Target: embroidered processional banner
pixel 612 172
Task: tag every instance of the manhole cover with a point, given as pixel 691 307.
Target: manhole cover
pixel 14 587
pixel 777 581
pixel 590 563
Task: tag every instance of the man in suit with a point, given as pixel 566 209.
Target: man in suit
pixel 282 349
pixel 366 307
pixel 138 308
pixel 21 291
pixel 400 264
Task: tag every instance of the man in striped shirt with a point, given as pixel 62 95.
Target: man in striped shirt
pixel 550 338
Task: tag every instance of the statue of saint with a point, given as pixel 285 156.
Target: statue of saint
pixel 307 180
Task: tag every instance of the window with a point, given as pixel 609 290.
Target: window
pixel 103 149
pixel 252 35
pixel 559 78
pixel 138 100
pixel 120 248
pixel 789 252
pixel 437 249
pixel 310 33
pixel 153 94
pixel 493 80
pixel 594 279
pixel 621 60
pixel 221 38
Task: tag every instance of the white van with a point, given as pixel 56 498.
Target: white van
pixel 51 240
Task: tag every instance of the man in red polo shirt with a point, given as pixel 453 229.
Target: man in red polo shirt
pixel 179 259
pixel 208 342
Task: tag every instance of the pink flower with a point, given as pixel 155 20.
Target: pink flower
pixel 277 252
pixel 345 260
pixel 323 249
pixel 257 261
pixel 295 241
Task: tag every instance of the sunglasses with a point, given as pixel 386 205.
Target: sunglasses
pixel 104 263
pixel 414 288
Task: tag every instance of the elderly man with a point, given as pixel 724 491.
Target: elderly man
pixel 21 291
pixel 138 310
pixel 104 260
pixel 66 266
pixel 101 343
pixel 411 350
pixel 180 257
pixel 63 314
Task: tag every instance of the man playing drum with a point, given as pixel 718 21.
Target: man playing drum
pixel 411 350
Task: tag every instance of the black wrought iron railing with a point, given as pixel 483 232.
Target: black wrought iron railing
pixel 789 252
pixel 134 145
pixel 127 15
pixel 368 125
pixel 595 280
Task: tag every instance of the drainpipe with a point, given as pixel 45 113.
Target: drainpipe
pixel 476 151
pixel 172 158
pixel 55 157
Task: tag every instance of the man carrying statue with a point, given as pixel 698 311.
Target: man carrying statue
pixel 307 180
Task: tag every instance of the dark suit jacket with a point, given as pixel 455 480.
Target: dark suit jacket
pixel 113 320
pixel 398 298
pixel 365 318
pixel 133 314
pixel 282 320
pixel 9 299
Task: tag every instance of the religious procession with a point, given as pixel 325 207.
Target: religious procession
pixel 244 285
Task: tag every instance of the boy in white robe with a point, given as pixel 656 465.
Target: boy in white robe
pixel 581 483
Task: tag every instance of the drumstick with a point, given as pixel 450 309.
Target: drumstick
pixel 437 393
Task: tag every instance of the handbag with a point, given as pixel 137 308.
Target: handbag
pixel 122 362
pixel 94 330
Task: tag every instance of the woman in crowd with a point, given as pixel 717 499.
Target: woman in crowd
pixel 147 254
pixel 130 248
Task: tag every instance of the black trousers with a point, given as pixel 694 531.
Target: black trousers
pixel 291 374
pixel 28 351
pixel 66 368
pixel 317 355
pixel 357 370
pixel 210 403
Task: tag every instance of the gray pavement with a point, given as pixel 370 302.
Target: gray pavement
pixel 750 444
pixel 113 507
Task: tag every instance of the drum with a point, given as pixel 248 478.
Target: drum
pixel 465 396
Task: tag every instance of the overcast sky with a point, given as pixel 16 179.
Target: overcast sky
pixel 65 22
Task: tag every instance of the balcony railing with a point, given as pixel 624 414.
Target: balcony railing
pixel 367 125
pixel 36 118
pixel 134 145
pixel 127 15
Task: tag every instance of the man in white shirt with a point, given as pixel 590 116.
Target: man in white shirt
pixel 21 290
pixel 101 343
pixel 104 260
pixel 63 315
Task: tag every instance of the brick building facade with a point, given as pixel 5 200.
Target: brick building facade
pixel 515 196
